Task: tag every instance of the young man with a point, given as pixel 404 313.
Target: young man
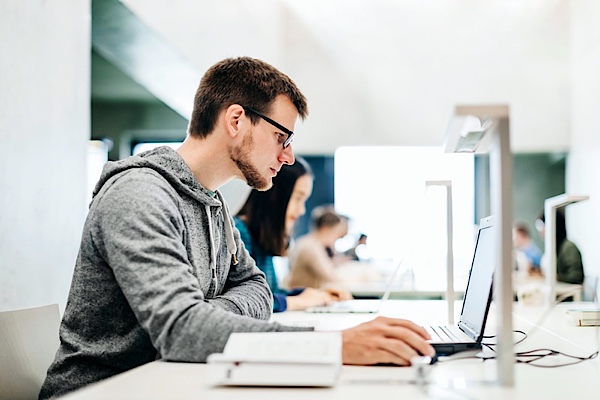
pixel 161 271
pixel 523 243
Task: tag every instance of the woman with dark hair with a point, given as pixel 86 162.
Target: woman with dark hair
pixel 569 265
pixel 266 222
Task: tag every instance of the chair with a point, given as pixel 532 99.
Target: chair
pixel 28 344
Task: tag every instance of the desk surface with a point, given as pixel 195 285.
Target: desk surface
pixel 451 379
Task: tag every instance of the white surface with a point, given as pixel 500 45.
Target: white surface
pixel 465 378
pixel 28 343
pixel 583 164
pixel 44 133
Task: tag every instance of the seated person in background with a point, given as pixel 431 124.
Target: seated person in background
pixel 266 222
pixel 310 263
pixel 569 265
pixel 524 244
pixel 361 244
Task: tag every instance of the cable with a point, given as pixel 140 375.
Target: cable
pixel 531 356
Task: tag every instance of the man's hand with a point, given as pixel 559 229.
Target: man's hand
pixel 309 298
pixel 338 294
pixel 384 340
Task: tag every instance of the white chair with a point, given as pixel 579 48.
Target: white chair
pixel 28 344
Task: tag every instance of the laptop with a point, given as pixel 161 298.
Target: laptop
pixel 359 306
pixel 467 335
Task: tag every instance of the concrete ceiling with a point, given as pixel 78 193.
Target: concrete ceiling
pixel 132 62
pixel 111 85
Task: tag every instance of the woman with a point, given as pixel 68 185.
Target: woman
pixel 266 222
pixel 569 265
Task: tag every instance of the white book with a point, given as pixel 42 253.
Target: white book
pixel 279 359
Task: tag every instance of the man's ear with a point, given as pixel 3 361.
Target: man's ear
pixel 234 120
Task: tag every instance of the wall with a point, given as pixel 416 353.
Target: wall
pixel 44 130
pixel 583 167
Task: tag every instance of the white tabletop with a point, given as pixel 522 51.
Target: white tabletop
pixel 451 379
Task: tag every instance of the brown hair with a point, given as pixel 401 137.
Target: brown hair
pixel 245 81
pixel 325 216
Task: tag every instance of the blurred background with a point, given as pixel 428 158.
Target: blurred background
pixel 84 82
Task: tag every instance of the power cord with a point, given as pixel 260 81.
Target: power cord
pixel 531 356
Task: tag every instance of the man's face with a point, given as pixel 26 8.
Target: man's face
pixel 261 155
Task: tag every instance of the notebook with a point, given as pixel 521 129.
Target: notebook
pixel 467 335
pixel 359 306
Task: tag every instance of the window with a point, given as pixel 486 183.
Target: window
pixel 382 190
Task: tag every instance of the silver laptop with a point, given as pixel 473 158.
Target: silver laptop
pixel 467 335
pixel 359 306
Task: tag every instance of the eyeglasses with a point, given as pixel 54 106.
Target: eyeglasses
pixel 285 141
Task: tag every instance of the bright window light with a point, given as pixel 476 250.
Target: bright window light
pixel 382 190
pixel 141 147
pixel 97 156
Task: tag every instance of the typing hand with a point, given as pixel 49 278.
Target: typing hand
pixel 338 294
pixel 309 298
pixel 384 340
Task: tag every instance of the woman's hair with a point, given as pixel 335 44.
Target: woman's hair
pixel 264 211
pixel 560 225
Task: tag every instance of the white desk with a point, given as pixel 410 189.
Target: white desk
pixel 457 379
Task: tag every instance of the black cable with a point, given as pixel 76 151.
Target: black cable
pixel 535 355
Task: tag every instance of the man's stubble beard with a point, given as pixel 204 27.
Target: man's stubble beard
pixel 240 155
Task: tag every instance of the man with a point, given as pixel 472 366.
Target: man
pixel 312 258
pixel 161 271
pixel 524 243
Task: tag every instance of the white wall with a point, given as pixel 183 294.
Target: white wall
pixel 44 129
pixel 389 72
pixel 583 168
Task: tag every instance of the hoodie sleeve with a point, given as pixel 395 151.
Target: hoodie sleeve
pixel 138 231
pixel 246 287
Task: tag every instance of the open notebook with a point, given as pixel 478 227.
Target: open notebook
pixel 467 335
pixel 359 306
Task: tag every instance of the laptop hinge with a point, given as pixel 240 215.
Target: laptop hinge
pixel 470 332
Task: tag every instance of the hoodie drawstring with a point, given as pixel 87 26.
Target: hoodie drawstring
pixel 213 249
pixel 231 246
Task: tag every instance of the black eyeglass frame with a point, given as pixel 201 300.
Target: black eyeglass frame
pixel 277 125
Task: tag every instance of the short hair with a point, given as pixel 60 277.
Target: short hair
pixel 265 211
pixel 245 81
pixel 522 227
pixel 325 216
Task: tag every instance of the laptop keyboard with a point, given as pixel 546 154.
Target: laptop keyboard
pixel 446 334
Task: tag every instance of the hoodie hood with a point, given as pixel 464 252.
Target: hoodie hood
pixel 168 163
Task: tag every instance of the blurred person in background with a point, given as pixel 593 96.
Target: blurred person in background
pixel 266 222
pixel 569 264
pixel 524 245
pixel 310 261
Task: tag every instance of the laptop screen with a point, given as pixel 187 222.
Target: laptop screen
pixel 478 292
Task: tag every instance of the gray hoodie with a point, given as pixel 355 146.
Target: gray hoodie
pixel 161 273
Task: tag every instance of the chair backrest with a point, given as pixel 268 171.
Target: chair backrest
pixel 28 344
